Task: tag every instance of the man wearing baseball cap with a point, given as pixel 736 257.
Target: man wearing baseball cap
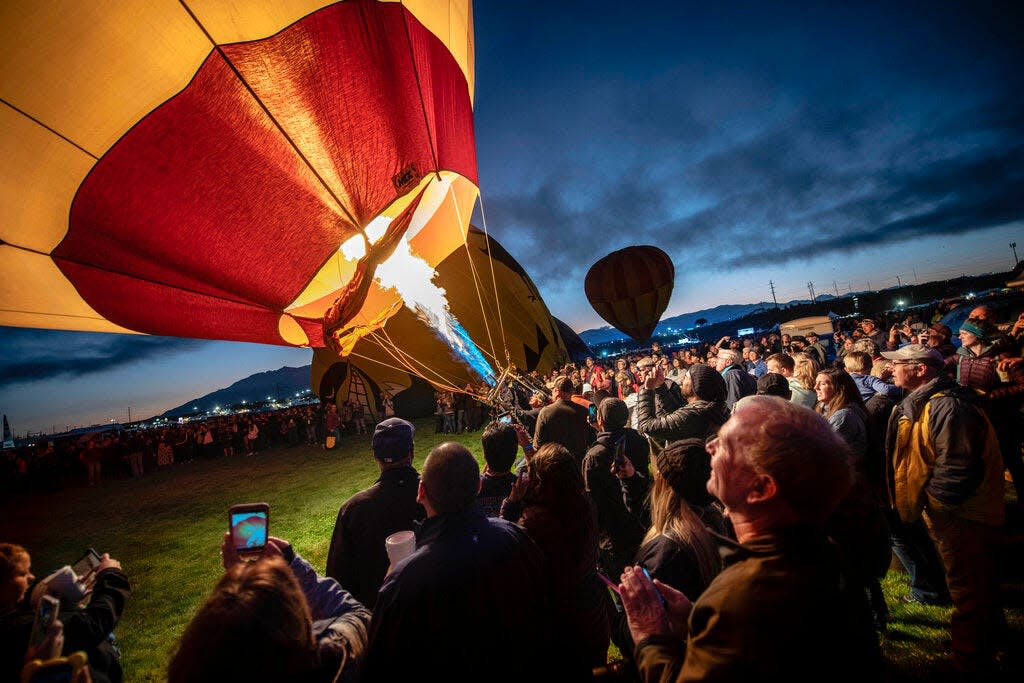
pixel 357 557
pixel 943 463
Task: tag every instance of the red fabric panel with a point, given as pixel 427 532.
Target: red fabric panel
pixel 185 314
pixel 212 211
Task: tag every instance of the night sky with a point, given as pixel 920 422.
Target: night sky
pixel 756 142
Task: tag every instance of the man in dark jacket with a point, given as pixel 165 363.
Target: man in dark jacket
pixel 473 585
pixel 738 382
pixel 564 422
pixel 619 530
pixel 661 417
pixel 357 558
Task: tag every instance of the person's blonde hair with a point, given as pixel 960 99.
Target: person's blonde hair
pixel 805 369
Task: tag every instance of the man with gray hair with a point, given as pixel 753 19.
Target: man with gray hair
pixel 738 382
pixel 783 606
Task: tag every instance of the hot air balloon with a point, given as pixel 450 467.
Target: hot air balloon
pixel 191 169
pixel 406 359
pixel 630 288
pixel 287 172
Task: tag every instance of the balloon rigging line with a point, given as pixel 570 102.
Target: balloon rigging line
pixel 407 361
pixel 385 364
pixel 447 382
pixel 419 89
pixel 487 241
pixel 280 128
pixel 472 267
pixel 58 134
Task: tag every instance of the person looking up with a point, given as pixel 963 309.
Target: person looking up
pixel 661 417
pixel 782 606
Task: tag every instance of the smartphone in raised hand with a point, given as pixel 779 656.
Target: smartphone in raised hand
pixel 46 613
pixel 619 459
pixel 86 564
pixel 249 524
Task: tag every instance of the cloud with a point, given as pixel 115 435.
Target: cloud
pixel 829 178
pixel 31 355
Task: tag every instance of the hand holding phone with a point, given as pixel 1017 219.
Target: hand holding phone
pixel 46 614
pixel 86 564
pixel 249 527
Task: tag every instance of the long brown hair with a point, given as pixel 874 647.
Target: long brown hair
pixel 672 516
pixel 846 390
pixel 255 626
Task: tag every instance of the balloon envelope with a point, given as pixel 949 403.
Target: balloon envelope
pixel 191 169
pixel 631 288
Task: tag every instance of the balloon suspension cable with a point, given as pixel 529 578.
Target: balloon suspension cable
pixel 410 363
pixel 476 277
pixel 494 282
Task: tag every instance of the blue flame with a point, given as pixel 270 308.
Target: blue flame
pixel 471 354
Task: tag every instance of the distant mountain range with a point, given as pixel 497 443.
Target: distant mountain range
pixel 276 384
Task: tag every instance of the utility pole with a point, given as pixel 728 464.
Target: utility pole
pixel 772 285
pixel 835 287
pixel 1013 245
pixel 899 282
pixel 129 416
pixel 810 288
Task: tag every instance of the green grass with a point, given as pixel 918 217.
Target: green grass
pixel 166 530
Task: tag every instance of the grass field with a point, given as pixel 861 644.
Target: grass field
pixel 166 529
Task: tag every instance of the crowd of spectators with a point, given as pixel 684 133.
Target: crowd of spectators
pixel 714 511
pixel 56 462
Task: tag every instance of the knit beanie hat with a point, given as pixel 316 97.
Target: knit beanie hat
pixel 685 466
pixel 976 330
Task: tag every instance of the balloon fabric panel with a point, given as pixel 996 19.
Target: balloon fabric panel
pixel 212 213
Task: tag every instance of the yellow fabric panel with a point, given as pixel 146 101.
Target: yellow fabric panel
pixel 291 331
pixel 244 20
pixel 115 61
pixel 446 229
pixel 452 23
pixel 39 175
pixel 32 283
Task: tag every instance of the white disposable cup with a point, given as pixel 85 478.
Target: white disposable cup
pixel 400 545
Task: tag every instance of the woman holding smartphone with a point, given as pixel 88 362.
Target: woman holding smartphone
pixel 83 629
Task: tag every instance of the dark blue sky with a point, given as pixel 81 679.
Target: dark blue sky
pixel 790 142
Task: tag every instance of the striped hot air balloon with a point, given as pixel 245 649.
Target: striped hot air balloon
pixel 630 288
